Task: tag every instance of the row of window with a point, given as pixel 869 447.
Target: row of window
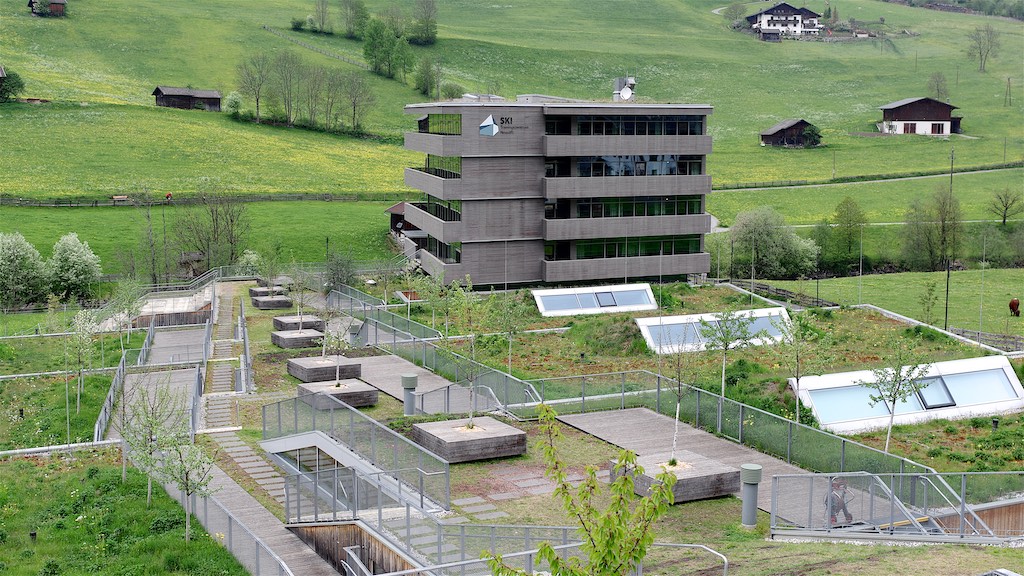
pixel 447 253
pixel 624 207
pixel 640 165
pixel 623 247
pixel 444 124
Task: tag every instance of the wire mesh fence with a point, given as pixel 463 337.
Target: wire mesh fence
pixel 376 444
pixel 927 507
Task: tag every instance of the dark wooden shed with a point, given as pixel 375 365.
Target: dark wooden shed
pixel 57 7
pixel 187 98
pixel 786 133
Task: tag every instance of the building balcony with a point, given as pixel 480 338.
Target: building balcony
pixel 619 145
pixel 436 144
pixel 622 268
pixel 624 186
pixel 438 269
pixel 640 226
pixel 443 188
pixel 443 231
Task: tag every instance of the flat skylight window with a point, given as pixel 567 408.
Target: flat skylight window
pixel 595 300
pixel 966 388
pixel 979 387
pixel 671 334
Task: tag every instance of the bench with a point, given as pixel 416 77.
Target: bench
pixel 118 198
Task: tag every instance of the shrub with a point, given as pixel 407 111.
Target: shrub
pixel 298 24
pixel 11 87
pixel 165 523
pixel 950 429
pixel 935 452
pixel 980 422
pixel 50 568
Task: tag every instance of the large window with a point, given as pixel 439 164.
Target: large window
pixel 639 125
pixel 444 166
pixel 628 207
pixel 649 246
pixel 640 165
pixel 445 124
pixel 447 253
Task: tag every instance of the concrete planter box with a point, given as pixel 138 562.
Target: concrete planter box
pixel 697 477
pixel 271 302
pixel 322 368
pixel 309 322
pixel 487 439
pixel 266 291
pixel 355 393
pixel 296 338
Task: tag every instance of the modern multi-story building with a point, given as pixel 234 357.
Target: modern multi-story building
pixel 550 190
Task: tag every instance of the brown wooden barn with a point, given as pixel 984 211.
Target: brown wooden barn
pixel 786 133
pixel 187 98
pixel 57 7
pixel 926 116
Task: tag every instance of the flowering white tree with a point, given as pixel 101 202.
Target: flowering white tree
pixel 22 279
pixel 72 267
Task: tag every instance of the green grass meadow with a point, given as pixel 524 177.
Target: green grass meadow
pixel 300 228
pixel 679 53
pixel 86 521
pixel 970 306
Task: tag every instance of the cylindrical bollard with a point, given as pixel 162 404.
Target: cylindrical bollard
pixel 750 477
pixel 409 382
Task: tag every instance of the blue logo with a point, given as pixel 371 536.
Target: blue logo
pixel 489 127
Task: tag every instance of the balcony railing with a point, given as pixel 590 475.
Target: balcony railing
pixel 439 211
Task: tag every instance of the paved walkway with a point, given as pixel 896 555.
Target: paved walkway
pixel 177 346
pixel 385 374
pixel 646 432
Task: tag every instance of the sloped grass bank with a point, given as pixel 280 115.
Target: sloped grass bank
pixel 63 515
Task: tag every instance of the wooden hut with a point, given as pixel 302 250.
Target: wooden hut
pixel 187 98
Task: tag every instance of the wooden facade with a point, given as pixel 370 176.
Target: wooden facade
pixel 786 133
pixel 923 110
pixel 187 98
pixel 1006 519
pixel 330 540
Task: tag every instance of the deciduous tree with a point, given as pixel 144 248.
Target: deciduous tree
pixel 286 77
pixel 982 44
pixel 72 267
pixel 355 16
pixel 777 250
pixel 217 226
pixel 424 23
pixel 254 76
pixel 510 312
pixel 614 538
pixel 358 98
pixel 22 274
pixel 849 220
pixel 937 86
pixel 1006 203
pixel 898 379
pixel 322 17
pixel 803 349
pixel 727 332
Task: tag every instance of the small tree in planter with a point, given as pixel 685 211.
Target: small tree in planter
pixel 683 365
pixel 898 379
pixel 334 343
pixel 299 293
pixel 339 270
pixel 469 311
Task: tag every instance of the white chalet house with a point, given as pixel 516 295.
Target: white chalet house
pixel 784 20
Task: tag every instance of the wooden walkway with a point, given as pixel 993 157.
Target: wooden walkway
pixel 646 432
pixel 385 374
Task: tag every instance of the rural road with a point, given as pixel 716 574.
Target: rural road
pixel 821 184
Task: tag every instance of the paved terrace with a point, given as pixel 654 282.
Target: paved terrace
pixel 646 432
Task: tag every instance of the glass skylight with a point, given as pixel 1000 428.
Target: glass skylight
pixel 670 334
pixel 595 300
pixel 956 389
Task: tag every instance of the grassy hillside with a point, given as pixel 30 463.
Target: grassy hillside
pixel 680 52
pixel 116 149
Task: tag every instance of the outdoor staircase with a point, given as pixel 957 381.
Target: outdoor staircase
pixel 221 404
